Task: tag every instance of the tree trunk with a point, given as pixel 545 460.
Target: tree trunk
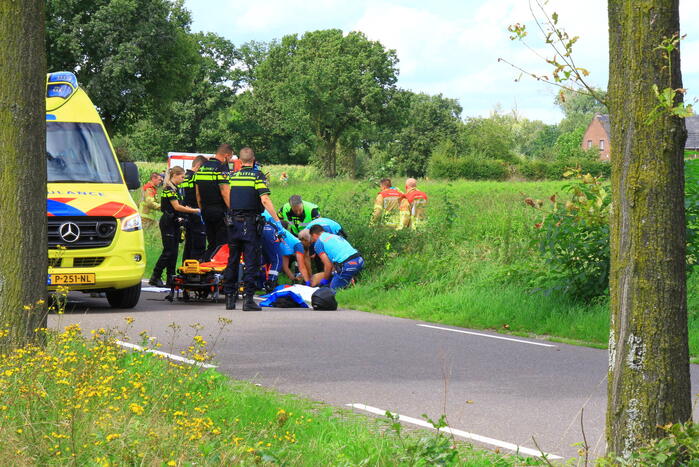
pixel 648 351
pixel 23 262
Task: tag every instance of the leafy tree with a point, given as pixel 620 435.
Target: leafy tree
pixel 537 140
pixel 129 55
pixel 329 82
pixel 23 194
pixel 426 122
pixel 490 138
pixel 648 383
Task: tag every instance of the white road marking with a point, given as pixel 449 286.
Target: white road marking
pixel 487 335
pixel 463 434
pixel 169 356
pixel 154 289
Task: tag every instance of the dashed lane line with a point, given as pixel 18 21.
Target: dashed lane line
pixel 486 335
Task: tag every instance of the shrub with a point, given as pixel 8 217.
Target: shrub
pixel 554 170
pixel 469 167
pixel 573 236
pixel 679 447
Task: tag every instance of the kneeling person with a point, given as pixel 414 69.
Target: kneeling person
pixel 334 250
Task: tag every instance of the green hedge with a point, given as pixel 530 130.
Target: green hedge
pixel 471 168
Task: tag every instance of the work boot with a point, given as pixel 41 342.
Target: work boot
pixel 230 301
pixel 250 305
pixel 156 281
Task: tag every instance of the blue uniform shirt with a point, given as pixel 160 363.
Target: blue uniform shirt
pixel 328 225
pixel 337 248
pixel 289 244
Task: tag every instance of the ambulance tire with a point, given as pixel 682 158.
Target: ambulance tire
pixel 124 298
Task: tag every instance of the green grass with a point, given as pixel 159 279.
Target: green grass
pixel 473 266
pixel 80 401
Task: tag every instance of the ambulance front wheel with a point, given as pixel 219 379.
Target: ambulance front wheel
pixel 124 298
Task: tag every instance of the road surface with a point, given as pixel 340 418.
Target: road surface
pixel 497 389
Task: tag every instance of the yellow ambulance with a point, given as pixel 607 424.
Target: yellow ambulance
pixel 94 230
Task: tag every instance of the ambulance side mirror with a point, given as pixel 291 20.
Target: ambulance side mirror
pixel 130 172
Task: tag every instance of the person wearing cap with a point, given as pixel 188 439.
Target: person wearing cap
pixel 336 253
pixel 213 195
pixel 412 206
pixel 298 213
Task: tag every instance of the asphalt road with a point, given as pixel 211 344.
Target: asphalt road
pixel 505 388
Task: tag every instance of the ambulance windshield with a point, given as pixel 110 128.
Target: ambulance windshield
pixel 79 152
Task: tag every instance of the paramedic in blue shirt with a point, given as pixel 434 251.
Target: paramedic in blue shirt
pixel 329 225
pixel 334 250
pixel 278 247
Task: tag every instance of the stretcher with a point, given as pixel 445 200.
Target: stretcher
pixel 201 281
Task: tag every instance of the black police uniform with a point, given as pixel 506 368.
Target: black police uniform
pixel 195 233
pixel 248 185
pixel 210 176
pixel 170 223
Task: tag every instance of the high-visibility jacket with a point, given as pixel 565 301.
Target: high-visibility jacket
pixel 298 223
pixel 386 207
pixel 412 208
pixel 149 202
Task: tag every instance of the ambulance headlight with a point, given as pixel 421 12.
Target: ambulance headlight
pixel 131 223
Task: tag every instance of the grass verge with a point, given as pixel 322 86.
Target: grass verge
pixel 80 401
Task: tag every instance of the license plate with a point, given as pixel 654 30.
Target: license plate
pixel 72 279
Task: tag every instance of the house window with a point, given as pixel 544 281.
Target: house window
pixel 601 145
pixel 589 143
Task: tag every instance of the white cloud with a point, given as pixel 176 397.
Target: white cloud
pixel 450 47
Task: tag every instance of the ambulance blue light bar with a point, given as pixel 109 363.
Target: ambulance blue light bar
pixel 61 84
pixel 64 77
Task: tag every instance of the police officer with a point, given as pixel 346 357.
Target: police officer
pixel 249 197
pixel 170 226
pixel 195 233
pixel 213 195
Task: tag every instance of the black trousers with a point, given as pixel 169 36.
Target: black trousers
pixel 216 230
pixel 245 239
pixel 195 238
pixel 169 232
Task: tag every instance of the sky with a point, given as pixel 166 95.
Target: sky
pixel 451 47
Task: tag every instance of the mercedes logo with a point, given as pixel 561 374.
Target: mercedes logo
pixel 69 232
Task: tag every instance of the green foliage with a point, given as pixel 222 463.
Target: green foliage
pixel 488 138
pixel 536 139
pixel 129 56
pixel 679 447
pixel 432 448
pixel 691 208
pixel 554 170
pixel 327 82
pixel 425 122
pixel 470 168
pixel 573 237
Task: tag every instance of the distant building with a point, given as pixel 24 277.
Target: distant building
pixel 598 134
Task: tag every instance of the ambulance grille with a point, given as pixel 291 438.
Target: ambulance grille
pixel 77 232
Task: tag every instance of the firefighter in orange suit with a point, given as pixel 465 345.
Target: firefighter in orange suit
pixel 412 206
pixel 387 205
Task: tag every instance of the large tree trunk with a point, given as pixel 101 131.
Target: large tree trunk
pixel 24 257
pixel 648 350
